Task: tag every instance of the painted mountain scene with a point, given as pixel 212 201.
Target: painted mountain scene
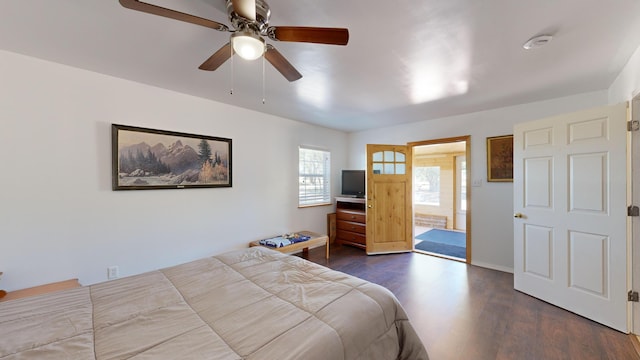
pixel 170 160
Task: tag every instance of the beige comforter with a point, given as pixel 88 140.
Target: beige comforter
pixel 249 304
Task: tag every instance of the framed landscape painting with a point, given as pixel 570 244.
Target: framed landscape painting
pixel 500 158
pixel 146 159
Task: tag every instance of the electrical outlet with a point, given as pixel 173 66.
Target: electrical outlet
pixel 113 272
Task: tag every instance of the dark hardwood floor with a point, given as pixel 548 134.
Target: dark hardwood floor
pixel 468 312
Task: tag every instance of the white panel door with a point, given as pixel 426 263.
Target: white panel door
pixel 570 229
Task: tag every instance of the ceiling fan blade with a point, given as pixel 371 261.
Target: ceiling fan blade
pixel 245 8
pixel 281 64
pixel 331 36
pixel 218 58
pixel 172 14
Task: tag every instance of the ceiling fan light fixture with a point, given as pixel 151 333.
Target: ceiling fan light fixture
pixel 248 45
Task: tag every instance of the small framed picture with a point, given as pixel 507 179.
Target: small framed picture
pixel 500 158
pixel 145 159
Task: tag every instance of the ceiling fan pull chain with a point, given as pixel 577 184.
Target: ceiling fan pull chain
pixel 231 49
pixel 263 80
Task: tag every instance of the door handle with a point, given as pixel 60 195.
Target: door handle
pixel 518 215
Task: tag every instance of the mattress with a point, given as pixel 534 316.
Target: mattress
pixel 248 304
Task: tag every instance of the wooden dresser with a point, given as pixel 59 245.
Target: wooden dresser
pixel 351 222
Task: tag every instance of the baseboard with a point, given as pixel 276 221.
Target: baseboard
pixel 635 342
pixel 492 266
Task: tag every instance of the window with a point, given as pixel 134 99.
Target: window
pixel 426 182
pixel 461 168
pixel 314 172
pixel 389 163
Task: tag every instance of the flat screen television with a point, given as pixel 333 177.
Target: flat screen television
pixel 353 183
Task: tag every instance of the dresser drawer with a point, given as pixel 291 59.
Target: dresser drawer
pixel 355 216
pixel 351 226
pixel 342 235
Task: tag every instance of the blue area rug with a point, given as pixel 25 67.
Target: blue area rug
pixel 444 237
pixel 445 242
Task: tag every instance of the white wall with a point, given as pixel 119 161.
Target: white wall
pixel 491 203
pixel 59 218
pixel 627 84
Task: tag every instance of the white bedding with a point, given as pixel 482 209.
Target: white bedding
pixel 250 304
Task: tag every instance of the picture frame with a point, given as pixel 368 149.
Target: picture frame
pixel 148 159
pixel 500 158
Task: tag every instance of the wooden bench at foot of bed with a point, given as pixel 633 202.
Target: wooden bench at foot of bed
pixel 315 240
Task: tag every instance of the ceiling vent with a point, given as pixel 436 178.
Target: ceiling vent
pixel 537 41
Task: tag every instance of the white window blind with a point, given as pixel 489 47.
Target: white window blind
pixel 314 172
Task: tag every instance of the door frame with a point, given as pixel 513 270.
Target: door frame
pixel 467 140
pixel 633 224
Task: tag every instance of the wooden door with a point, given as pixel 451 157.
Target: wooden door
pixel 570 226
pixel 389 218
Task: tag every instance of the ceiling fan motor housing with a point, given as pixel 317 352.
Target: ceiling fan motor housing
pixel 263 14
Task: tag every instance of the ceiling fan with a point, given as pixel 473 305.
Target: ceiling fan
pixel 250 22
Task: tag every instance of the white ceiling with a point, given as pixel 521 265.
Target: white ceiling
pixel 406 60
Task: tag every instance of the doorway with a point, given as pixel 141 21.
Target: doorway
pixel 440 198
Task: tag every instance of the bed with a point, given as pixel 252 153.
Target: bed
pixel 247 304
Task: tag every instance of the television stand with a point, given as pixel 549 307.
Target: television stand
pixel 351 221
